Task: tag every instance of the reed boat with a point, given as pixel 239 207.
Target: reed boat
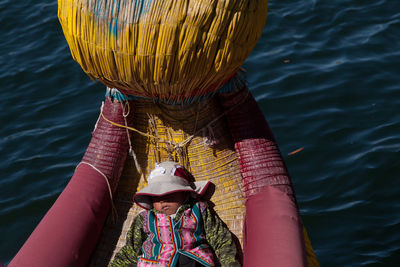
pixel 174 92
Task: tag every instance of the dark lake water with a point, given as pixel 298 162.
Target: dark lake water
pixel 325 73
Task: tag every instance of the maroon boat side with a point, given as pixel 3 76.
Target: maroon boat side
pixel 68 233
pixel 273 229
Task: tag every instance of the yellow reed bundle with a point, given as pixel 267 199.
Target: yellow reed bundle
pixel 169 49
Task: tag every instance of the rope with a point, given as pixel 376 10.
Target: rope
pixel 123 126
pixel 179 145
pixel 114 213
pixel 153 128
pixel 131 151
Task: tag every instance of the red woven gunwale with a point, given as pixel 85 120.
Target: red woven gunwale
pixel 260 160
pixel 273 230
pixel 70 230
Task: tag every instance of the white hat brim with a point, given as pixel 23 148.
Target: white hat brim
pixel 144 200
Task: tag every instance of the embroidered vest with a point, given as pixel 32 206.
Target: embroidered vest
pixel 167 240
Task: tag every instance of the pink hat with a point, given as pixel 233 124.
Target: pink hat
pixel 166 178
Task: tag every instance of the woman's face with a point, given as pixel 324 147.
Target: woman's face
pixel 169 204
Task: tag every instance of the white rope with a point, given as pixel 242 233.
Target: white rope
pixel 131 151
pixel 98 119
pixel 175 146
pixel 113 209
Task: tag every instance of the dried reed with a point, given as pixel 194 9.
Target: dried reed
pixel 170 49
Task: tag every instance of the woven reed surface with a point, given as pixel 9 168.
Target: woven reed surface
pixel 216 162
pixel 170 49
pixel 260 159
pixel 109 146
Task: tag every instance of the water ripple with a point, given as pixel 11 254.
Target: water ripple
pixel 325 74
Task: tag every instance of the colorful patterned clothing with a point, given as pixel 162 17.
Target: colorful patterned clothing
pixel 202 233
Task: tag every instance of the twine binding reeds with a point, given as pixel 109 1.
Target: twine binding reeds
pixel 171 145
pixel 172 50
